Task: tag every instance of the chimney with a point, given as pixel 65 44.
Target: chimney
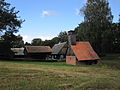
pixel 71 37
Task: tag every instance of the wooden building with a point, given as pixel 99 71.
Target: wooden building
pixel 80 53
pixel 37 52
pixel 59 50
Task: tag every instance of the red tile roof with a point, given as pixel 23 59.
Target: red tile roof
pixel 84 51
pixel 38 49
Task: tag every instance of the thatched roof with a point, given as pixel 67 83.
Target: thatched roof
pixel 60 48
pixel 84 51
pixel 38 49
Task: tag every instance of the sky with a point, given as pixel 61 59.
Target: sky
pixel 45 19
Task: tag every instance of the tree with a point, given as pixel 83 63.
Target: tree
pixel 47 43
pixel 5 50
pixel 51 42
pixel 81 32
pixel 55 40
pixel 8 18
pixel 96 27
pixel 18 42
pixel 37 42
pixel 13 40
pixel 9 24
pixel 116 35
pixel 27 44
pixel 63 36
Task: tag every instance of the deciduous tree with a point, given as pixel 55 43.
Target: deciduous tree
pixel 9 24
pixel 63 36
pixel 96 27
pixel 37 42
pixel 9 21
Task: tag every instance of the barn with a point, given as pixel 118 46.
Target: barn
pixel 59 50
pixel 80 53
pixel 37 52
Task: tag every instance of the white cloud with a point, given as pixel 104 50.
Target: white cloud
pixel 49 13
pixel 45 13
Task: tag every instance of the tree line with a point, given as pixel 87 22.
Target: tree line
pixel 97 28
pixel 62 37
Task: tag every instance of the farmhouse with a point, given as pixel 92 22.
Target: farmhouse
pixel 59 50
pixel 80 53
pixel 37 52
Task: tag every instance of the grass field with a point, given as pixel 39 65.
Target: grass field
pixel 59 76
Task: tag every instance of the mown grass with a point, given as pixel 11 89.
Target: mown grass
pixel 50 63
pixel 59 76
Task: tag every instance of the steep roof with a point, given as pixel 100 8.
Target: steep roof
pixel 38 49
pixel 59 48
pixel 84 51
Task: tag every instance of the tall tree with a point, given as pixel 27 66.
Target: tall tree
pixel 96 27
pixel 9 24
pixel 116 37
pixel 116 42
pixel 8 18
pixel 63 36
pixel 51 42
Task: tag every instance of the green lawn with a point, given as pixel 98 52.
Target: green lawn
pixel 59 76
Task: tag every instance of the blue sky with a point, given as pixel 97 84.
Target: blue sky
pixel 46 18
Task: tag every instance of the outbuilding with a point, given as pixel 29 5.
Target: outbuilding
pixel 37 52
pixel 59 50
pixel 80 53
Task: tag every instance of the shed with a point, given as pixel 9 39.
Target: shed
pixel 37 52
pixel 59 50
pixel 80 53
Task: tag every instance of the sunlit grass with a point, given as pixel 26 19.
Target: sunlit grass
pixel 59 76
